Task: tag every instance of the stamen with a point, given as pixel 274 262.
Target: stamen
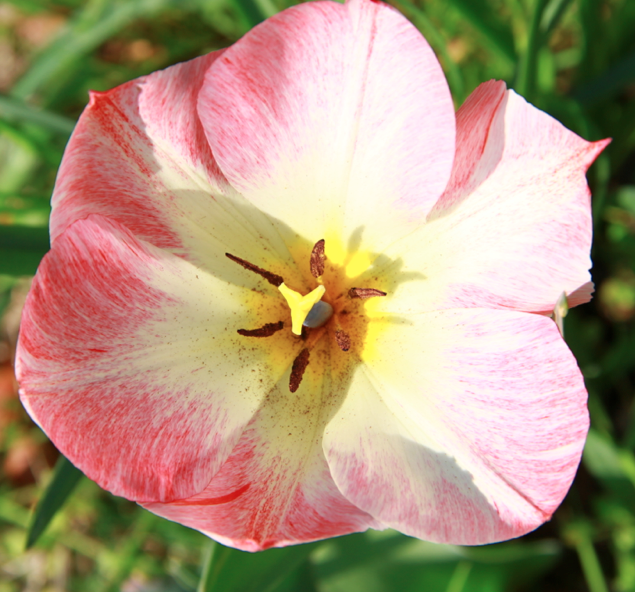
pixel 297 370
pixel 265 331
pixel 317 259
pixel 272 278
pixel 365 293
pixel 343 340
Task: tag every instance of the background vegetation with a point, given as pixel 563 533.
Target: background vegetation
pixel 573 58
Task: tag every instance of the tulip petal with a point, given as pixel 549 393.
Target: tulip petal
pixel 513 229
pixel 139 156
pixel 336 119
pixel 129 359
pixel 275 489
pixel 462 426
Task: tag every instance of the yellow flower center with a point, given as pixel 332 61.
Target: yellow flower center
pixel 312 318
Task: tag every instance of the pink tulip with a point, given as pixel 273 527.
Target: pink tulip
pixel 449 409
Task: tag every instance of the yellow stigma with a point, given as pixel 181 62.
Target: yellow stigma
pixel 300 305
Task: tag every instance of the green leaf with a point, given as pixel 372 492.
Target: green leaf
pixel 15 109
pixel 97 22
pixel 580 536
pixel 230 570
pixel 18 157
pixel 24 210
pixel 625 197
pixel 614 467
pixel 205 583
pixel 19 263
pixel 435 38
pixel 495 34
pixel 65 478
pixel 390 562
pixel 349 552
pixel 302 579
pixel 252 12
pixel 126 556
pixel 29 6
pixel 609 83
pixel 623 145
pixel 601 457
pixel 22 249
pixel 596 44
pixel 12 513
pixel 553 13
pixel 459 577
pixel 528 65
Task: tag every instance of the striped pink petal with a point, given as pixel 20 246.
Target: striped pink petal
pixel 130 361
pixel 335 119
pixel 140 157
pixel 276 488
pixel 513 228
pixel 461 426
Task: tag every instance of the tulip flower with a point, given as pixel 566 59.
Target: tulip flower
pixel 291 294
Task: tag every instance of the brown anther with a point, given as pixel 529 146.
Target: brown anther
pixel 317 259
pixel 297 370
pixel 343 340
pixel 265 331
pixel 272 278
pixel 365 293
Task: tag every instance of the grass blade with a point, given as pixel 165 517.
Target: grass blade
pixel 238 571
pixel 435 38
pixel 579 535
pixel 609 83
pixel 97 23
pixel 254 11
pixel 497 36
pixel 528 65
pixel 22 249
pixel 205 584
pixel 552 14
pixel 65 478
pixel 15 109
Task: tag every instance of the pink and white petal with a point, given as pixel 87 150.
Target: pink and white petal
pixel 130 361
pixel 473 123
pixel 462 426
pixel 140 157
pixel 333 119
pixel 275 489
pixel 515 232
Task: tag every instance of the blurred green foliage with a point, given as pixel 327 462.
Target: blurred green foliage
pixel 573 58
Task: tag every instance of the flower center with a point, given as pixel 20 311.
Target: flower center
pixel 311 316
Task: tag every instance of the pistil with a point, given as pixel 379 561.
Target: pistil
pixel 318 315
pixel 302 307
